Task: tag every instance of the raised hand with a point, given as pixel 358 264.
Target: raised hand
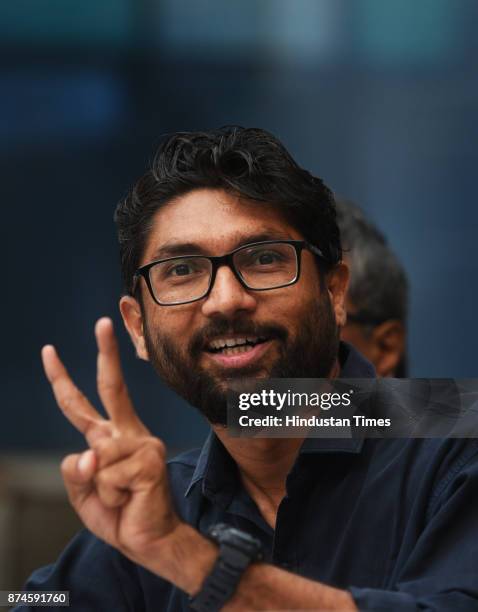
pixel 119 487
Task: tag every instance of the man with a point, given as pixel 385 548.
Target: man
pixel 377 297
pixel 231 259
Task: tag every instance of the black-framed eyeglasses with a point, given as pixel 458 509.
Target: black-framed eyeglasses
pixel 259 266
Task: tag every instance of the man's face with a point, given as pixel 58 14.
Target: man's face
pixel 291 331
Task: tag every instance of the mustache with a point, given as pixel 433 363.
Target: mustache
pixel 223 327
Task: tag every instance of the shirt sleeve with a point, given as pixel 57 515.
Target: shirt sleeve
pixel 97 577
pixel 441 573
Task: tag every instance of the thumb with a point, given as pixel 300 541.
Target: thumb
pixel 78 471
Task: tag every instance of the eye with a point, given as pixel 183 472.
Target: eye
pixel 265 258
pixel 182 269
pixel 268 258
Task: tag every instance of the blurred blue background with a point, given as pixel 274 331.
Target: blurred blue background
pixel 378 97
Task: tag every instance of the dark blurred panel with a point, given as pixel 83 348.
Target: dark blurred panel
pixel 66 22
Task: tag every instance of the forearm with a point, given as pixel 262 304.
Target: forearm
pixel 266 587
pixel 187 558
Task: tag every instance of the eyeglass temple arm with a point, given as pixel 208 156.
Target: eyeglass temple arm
pixel 136 277
pixel 316 250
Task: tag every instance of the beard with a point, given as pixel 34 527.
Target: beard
pixel 311 354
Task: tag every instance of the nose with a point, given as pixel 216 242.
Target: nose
pixel 228 297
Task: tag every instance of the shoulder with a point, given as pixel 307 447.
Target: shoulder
pixel 432 469
pixel 442 457
pixel 455 463
pixel 445 456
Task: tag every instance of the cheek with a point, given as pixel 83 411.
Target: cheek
pixel 174 324
pixel 291 309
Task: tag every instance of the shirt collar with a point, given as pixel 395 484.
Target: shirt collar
pixel 214 461
pixel 213 464
pixel 353 364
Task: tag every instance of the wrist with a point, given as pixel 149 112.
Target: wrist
pixel 184 557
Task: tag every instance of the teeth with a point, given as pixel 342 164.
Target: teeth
pixel 236 350
pixel 231 342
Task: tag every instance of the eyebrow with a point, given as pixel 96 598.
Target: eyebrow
pixel 173 249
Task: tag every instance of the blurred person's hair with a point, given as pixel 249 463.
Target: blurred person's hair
pixel 249 162
pixel 378 286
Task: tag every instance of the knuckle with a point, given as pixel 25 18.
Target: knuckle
pixel 103 479
pixel 147 455
pixel 68 401
pixel 96 430
pixel 158 446
pixel 108 498
pixel 101 445
pixel 104 446
pixel 152 464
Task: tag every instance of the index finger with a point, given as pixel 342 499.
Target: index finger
pixel 111 385
pixel 74 405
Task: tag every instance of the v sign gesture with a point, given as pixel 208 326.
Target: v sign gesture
pixel 119 487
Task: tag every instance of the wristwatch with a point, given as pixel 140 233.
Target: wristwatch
pixel 237 550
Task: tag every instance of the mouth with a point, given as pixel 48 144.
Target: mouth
pixel 237 351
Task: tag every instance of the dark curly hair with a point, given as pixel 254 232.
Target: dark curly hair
pixel 247 161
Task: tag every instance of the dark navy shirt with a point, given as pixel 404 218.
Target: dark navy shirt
pixel 395 522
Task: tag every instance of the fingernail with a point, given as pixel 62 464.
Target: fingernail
pixel 47 348
pixel 85 461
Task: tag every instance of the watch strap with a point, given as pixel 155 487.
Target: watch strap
pixel 237 550
pixel 221 583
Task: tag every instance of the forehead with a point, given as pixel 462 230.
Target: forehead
pixel 215 222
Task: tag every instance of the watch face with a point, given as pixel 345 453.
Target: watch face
pixel 235 533
pixel 242 541
pixel 245 537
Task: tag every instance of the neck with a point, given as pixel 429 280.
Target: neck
pixel 264 461
pixel 264 464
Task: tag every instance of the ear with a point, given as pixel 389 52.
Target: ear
pixel 389 345
pixel 133 321
pixel 337 281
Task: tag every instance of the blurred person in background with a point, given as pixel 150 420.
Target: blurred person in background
pixel 231 259
pixel 377 297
